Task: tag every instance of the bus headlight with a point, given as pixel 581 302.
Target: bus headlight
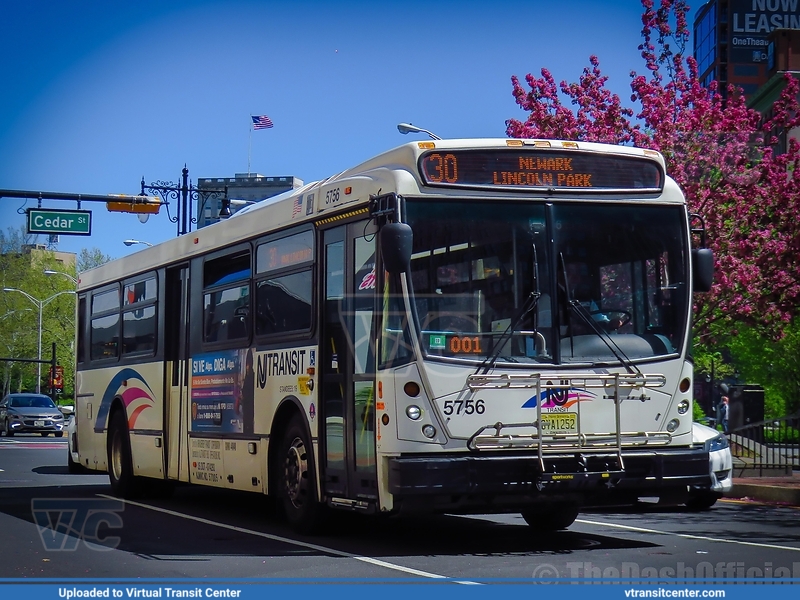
pixel 429 431
pixel 683 406
pixel 673 425
pixel 413 412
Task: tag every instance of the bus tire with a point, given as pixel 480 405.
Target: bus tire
pixel 72 467
pixel 297 480
pixel 120 463
pixel 550 518
pixel 701 501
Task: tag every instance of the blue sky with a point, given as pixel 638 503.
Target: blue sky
pixel 98 94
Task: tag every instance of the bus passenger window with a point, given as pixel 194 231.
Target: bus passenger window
pixel 283 304
pixel 104 335
pixel 226 314
pixel 139 317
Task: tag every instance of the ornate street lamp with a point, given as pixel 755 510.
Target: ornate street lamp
pixel 185 195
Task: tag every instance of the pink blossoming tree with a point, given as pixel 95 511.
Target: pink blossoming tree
pixel 722 154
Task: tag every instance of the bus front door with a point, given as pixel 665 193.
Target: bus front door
pixel 347 430
pixel 176 374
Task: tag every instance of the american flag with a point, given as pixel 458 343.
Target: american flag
pixel 261 121
pixel 297 207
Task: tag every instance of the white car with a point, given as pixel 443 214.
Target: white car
pixel 720 466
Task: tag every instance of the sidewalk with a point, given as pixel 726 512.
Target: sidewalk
pixel 781 489
pixel 775 487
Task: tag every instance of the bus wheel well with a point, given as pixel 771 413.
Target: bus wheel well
pixel 283 416
pixel 118 448
pixel 116 405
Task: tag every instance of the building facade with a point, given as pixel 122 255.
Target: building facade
pixel 783 57
pixel 731 40
pixel 242 189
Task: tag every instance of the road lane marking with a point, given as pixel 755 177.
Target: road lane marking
pixel 688 536
pixel 277 538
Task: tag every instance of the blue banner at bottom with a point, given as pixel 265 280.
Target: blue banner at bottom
pixel 394 590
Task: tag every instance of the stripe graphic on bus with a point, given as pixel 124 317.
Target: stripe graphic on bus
pixel 135 393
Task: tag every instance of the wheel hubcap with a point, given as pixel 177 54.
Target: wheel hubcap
pixel 295 472
pixel 116 456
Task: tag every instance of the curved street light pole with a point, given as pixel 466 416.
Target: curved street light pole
pixel 67 275
pixel 409 128
pixel 40 304
pixel 132 242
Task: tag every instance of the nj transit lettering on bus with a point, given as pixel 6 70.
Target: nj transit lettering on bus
pixel 297 364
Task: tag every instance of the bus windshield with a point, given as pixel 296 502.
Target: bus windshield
pixel 560 283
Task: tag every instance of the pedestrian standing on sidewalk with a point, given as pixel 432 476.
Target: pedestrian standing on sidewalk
pixel 724 411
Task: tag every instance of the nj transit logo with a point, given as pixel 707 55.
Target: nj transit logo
pixel 563 398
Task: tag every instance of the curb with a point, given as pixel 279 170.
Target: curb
pixel 765 493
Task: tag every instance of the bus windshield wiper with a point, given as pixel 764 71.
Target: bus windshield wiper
pixel 530 304
pixel 581 311
pixel 584 315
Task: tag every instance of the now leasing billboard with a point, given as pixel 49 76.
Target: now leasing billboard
pixel 751 21
pixel 64 222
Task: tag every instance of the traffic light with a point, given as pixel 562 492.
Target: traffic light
pixel 133 204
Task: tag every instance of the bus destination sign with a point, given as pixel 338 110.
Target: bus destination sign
pixel 538 168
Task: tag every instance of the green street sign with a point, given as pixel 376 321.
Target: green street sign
pixel 63 222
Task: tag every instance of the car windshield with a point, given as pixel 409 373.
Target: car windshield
pixel 30 402
pixel 562 282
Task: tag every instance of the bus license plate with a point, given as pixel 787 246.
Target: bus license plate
pixel 38 423
pixel 559 423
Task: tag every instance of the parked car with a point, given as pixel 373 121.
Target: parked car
pixel 30 413
pixel 720 466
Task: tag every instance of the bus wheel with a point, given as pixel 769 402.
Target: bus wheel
pixel 120 465
pixel 298 490
pixel 73 467
pixel 550 518
pixel 701 501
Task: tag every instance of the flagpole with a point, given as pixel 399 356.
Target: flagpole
pixel 249 145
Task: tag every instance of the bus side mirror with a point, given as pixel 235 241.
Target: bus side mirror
pixel 703 269
pixel 396 243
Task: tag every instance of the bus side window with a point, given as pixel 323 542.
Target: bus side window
pixel 226 314
pixel 226 310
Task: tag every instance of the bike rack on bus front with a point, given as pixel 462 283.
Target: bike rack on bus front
pixel 498 436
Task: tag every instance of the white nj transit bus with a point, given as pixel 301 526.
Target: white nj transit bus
pixel 455 326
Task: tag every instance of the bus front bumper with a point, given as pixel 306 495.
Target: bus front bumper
pixel 471 482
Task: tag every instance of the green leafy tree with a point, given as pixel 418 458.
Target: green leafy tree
pixel 89 259
pixel 774 363
pixel 31 289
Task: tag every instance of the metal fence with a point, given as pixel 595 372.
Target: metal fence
pixel 767 448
